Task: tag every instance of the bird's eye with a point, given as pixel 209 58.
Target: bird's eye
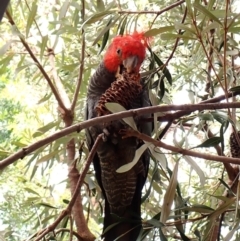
pixel 119 52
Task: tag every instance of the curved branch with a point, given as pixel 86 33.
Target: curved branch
pixel 58 83
pixel 223 159
pixel 75 195
pixel 62 230
pixel 178 114
pixel 108 118
pixel 40 67
pixel 177 40
pixel 81 68
pixel 154 12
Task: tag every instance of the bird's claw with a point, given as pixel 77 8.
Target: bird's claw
pixel 107 135
pixel 126 133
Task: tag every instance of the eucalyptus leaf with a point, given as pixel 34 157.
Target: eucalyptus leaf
pixel 105 30
pixel 97 17
pixel 44 129
pixel 196 168
pixel 206 12
pixel 169 195
pixel 31 17
pixel 47 157
pixel 155 31
pixel 158 155
pixel 115 108
pixel 131 164
pixel 210 142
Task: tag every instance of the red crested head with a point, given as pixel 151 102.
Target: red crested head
pixel 128 50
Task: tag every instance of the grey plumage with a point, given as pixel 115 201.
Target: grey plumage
pixel 122 191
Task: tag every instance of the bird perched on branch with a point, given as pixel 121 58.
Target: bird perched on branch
pixel 117 79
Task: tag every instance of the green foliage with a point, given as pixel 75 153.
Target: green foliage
pixel 192 57
pixel 8 110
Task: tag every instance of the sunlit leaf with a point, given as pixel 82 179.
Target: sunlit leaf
pixel 5 47
pixel 64 9
pixel 210 27
pixel 115 108
pixel 184 27
pixel 169 195
pixel 155 31
pixel 46 205
pixel 206 116
pixel 172 36
pixel 158 155
pixel 131 164
pixel 206 12
pixel 123 25
pixel 222 208
pixel 31 191
pixel 189 7
pixel 105 31
pixel 100 5
pixel 43 45
pixel 45 98
pixel 19 144
pixel 210 142
pixel 166 72
pixel 31 16
pixel 97 17
pixel 44 129
pixel 47 157
pixel 220 117
pixel 155 223
pixel 231 232
pixel 199 208
pixel 196 168
pixel 4 154
pixel 19 69
pixel 235 88
pixel 226 185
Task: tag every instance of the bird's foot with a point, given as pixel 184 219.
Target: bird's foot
pixel 126 133
pixel 109 136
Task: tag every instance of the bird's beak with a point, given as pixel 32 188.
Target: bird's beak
pixel 131 63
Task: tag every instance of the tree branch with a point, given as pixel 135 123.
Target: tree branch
pixel 81 68
pixel 68 210
pixel 59 86
pixel 63 230
pixel 108 118
pixel 178 114
pixel 129 133
pixel 40 67
pixel 177 40
pixel 154 12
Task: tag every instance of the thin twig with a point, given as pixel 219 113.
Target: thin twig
pixel 108 118
pixel 71 228
pixel 225 45
pixel 62 230
pixel 58 82
pixel 85 170
pixel 154 12
pixel 177 40
pixel 129 133
pixel 40 67
pixel 39 31
pixel 81 68
pixel 67 211
pixel 178 114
